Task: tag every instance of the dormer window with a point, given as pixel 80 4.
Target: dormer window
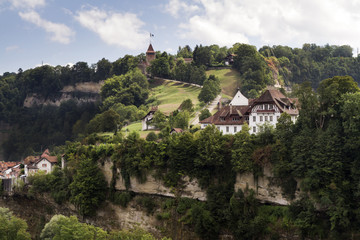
pixel 222 119
pixel 235 118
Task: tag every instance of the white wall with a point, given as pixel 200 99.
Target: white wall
pixel 44 165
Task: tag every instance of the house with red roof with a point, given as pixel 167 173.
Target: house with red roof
pixel 255 112
pixel 44 163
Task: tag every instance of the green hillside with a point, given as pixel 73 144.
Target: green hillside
pixel 230 81
pixel 170 94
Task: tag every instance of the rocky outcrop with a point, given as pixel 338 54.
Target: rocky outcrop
pixel 190 187
pixel 264 189
pixel 80 93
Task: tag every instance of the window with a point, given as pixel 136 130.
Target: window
pixel 235 129
pixel 227 129
pixel 44 165
pixel 266 118
pixel 254 118
pixel 235 119
pixel 271 118
pixel 270 106
pixel 260 107
pixel 266 107
pixel 222 119
pixel 254 129
pixel 261 118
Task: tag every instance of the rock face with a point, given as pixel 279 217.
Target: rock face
pixel 265 191
pixel 81 93
pixel 190 188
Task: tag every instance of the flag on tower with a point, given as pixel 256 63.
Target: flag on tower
pixel 151 35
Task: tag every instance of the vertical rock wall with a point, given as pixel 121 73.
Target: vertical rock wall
pixel 265 191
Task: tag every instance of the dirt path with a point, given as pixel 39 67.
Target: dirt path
pixel 210 106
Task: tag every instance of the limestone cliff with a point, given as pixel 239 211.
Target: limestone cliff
pixel 265 191
pixel 81 93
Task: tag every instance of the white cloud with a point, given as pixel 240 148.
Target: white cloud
pixel 175 7
pixel 59 32
pixel 27 3
pixel 291 22
pixel 120 29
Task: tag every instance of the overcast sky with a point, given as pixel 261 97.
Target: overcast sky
pixel 59 32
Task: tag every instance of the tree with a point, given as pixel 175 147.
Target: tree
pixel 88 188
pixel 242 150
pixel 104 122
pixel 210 89
pixel 182 120
pixel 128 89
pixel 159 120
pixel 187 105
pixel 64 228
pixel 205 113
pixel 160 67
pixel 11 227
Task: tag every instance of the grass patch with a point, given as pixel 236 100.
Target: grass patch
pixel 171 94
pixel 136 126
pixel 229 81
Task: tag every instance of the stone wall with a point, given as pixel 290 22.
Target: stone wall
pixel 265 191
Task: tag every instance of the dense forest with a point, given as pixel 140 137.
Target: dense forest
pixel 45 126
pixel 315 162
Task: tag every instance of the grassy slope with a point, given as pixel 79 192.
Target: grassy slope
pixel 230 81
pixel 170 95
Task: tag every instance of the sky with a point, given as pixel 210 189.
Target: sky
pixel 61 32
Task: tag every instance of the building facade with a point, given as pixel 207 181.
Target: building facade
pixel 255 112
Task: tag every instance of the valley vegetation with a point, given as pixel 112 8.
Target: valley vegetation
pixel 318 155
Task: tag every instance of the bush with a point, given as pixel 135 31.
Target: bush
pixel 151 137
pixel 163 216
pixel 123 198
pixel 205 113
pixel 148 203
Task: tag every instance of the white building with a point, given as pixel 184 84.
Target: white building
pixel 44 163
pixel 255 112
pixel 147 121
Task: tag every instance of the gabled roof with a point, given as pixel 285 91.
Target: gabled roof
pixel 239 99
pixel 46 155
pixel 150 49
pixel 152 110
pixel 284 103
pixel 226 114
pixel 176 130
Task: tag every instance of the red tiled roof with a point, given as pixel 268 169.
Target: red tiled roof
pixel 6 165
pixel 150 49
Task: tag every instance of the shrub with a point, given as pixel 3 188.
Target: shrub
pixel 148 203
pixel 123 198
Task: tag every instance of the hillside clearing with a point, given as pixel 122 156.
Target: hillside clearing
pixel 229 81
pixel 170 94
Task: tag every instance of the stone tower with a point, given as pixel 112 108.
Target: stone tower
pixel 150 55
